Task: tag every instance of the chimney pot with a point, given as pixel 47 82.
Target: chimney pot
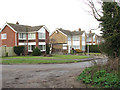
pixel 79 29
pixel 17 22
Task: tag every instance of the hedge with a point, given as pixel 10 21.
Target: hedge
pixel 19 50
pixel 93 48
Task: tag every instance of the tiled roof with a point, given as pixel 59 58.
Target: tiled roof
pixel 90 35
pixel 24 28
pixel 68 32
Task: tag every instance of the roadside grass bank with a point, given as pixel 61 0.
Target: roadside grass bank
pixel 29 61
pixel 94 77
pixel 52 57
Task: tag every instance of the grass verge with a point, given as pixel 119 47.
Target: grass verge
pixel 53 57
pixel 25 61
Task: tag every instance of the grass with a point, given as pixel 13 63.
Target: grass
pixel 24 61
pixel 39 59
pixel 53 57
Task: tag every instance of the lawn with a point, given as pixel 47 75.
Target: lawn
pixel 53 57
pixel 39 59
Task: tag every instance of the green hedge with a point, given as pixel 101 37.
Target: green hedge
pixel 93 49
pixel 19 50
pixel 36 52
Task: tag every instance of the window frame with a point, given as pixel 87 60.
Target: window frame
pixel 3 36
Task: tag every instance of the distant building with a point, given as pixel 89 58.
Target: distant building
pixel 66 39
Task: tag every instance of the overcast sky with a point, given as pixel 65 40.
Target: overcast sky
pixel 66 14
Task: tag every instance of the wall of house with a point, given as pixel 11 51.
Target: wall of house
pixel 59 37
pixel 8 50
pixel 10 41
pixel 47 36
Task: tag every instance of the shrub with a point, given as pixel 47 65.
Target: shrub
pixel 71 51
pixel 6 54
pixel 102 78
pixel 19 50
pixel 93 48
pixel 78 51
pixel 36 52
pixel 47 49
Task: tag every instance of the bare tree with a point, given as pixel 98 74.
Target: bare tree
pixel 52 41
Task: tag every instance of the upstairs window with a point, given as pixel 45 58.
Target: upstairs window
pixel 76 38
pixel 3 36
pixel 22 35
pixel 41 35
pixel 31 35
pixel 69 38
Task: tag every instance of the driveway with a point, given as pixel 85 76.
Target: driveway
pixel 43 75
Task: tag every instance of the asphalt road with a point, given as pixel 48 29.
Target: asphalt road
pixel 43 75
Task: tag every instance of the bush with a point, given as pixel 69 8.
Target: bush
pixel 19 50
pixel 47 49
pixel 36 52
pixel 102 78
pixel 93 48
pixel 71 51
pixel 6 54
pixel 78 51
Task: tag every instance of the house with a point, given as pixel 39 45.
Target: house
pixel 66 40
pixel 91 38
pixel 22 35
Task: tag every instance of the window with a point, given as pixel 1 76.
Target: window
pixel 31 47
pixel 42 47
pixel 83 38
pixel 41 35
pixel 76 38
pixel 69 38
pixel 22 35
pixel 31 35
pixel 83 48
pixel 4 36
pixel 93 39
pixel 76 47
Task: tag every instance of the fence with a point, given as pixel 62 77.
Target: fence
pixel 4 50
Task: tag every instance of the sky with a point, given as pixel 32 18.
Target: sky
pixel 66 14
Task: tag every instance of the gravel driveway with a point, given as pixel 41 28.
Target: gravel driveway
pixel 43 75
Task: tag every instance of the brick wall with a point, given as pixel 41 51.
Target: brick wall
pixel 10 41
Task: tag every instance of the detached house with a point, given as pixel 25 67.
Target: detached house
pixel 66 40
pixel 17 35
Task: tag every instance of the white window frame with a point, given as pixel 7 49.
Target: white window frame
pixel 4 36
pixel 76 38
pixel 30 36
pixel 22 38
pixel 39 34
pixel 43 49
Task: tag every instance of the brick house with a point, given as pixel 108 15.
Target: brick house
pixel 31 36
pixel 66 39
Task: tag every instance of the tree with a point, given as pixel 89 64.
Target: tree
pixel 47 49
pixel 110 25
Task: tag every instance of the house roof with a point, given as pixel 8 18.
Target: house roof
pixel 24 28
pixel 68 32
pixel 90 35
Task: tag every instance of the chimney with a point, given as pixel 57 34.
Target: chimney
pixel 79 29
pixel 17 22
pixel 90 31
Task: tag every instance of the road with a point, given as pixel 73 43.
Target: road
pixel 43 75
